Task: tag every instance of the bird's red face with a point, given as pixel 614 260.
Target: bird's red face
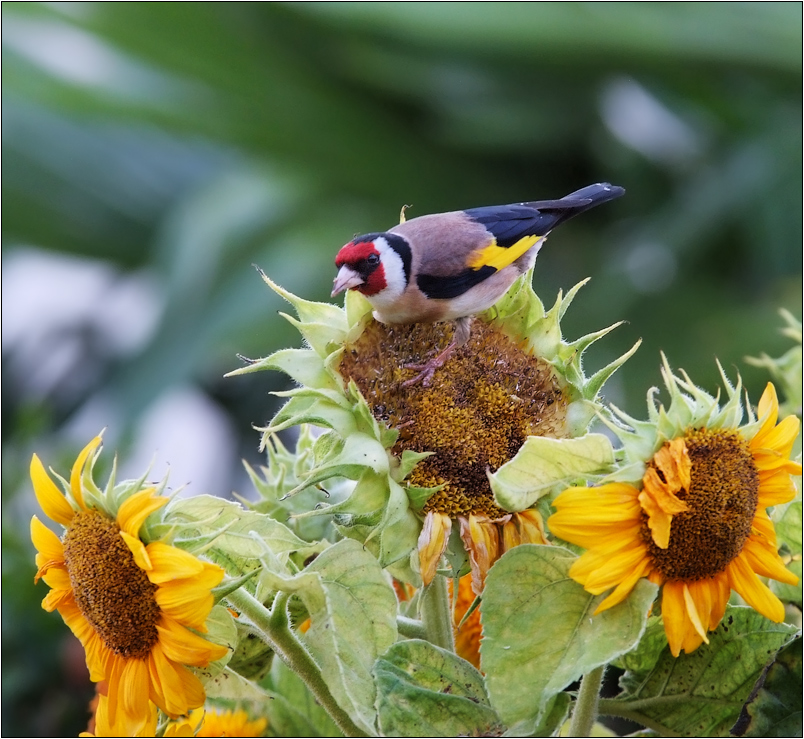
pixel 360 268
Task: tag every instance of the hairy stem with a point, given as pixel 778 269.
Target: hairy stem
pixel 436 614
pixel 410 628
pixel 585 713
pixel 279 636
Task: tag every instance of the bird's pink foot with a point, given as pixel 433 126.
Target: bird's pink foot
pixel 427 370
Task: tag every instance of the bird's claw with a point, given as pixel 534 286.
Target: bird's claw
pixel 426 372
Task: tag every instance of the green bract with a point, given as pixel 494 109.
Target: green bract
pixel 516 381
pixel 689 408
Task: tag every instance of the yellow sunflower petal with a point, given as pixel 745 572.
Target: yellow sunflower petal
pixel 692 609
pixel 51 500
pixel 778 442
pixel 46 542
pixel 190 601
pixel 511 536
pixel 531 526
pixel 136 509
pixel 775 489
pixel 659 520
pixel 766 562
pixel 432 543
pixel 181 691
pixel 674 615
pixel 618 567
pixel 621 592
pixel 692 641
pixel 605 495
pixel 139 550
pixel 720 592
pixel 58 578
pixel 171 563
pixel 113 687
pixel 104 728
pixel 186 648
pixel 78 470
pixel 752 590
pixel 49 547
pixel 133 691
pixel 55 600
pixel 481 538
pixel 468 637
pixel 767 409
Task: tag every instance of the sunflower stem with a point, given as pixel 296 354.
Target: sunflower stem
pixel 410 628
pixel 585 713
pixel 276 631
pixel 436 614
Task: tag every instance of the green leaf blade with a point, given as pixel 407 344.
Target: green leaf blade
pixel 426 691
pixel 538 626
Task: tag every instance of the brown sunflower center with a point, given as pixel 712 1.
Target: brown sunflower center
pixel 111 591
pixel 722 501
pixel 481 406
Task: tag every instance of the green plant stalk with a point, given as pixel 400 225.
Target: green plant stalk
pixel 278 635
pixel 436 614
pixel 585 713
pixel 410 628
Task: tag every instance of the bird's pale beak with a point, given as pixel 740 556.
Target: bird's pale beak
pixel 346 278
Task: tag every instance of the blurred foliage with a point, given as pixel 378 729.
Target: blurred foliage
pixel 183 142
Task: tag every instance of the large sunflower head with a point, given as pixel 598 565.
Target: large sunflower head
pixel 688 509
pixel 137 606
pixel 440 452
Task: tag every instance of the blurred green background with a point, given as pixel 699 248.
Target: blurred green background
pixel 152 152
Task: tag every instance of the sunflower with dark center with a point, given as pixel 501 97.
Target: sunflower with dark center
pixel 697 523
pixel 485 401
pixel 417 450
pixel 136 607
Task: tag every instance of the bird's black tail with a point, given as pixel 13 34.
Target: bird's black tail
pixel 576 202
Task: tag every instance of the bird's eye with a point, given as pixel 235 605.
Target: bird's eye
pixel 373 259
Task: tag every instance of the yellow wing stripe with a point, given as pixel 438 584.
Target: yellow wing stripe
pixel 500 257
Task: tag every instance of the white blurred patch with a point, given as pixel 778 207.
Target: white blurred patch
pixel 50 303
pixel 640 121
pixel 650 267
pixel 186 434
pixel 78 57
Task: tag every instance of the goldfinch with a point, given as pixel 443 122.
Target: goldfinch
pixel 451 266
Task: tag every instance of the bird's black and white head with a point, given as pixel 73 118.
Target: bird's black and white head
pixel 377 265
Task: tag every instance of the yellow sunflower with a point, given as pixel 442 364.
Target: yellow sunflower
pixel 213 722
pixel 231 723
pixel 132 605
pixel 698 526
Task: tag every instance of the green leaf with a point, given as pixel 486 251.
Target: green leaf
pixel 554 715
pixel 788 530
pixel 311 312
pixel 228 685
pixel 352 621
pixel 303 365
pixel 538 626
pixel 350 459
pixel 236 538
pixel 293 710
pixel 423 690
pixel 701 694
pixel 774 708
pixel 252 657
pixel 542 463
